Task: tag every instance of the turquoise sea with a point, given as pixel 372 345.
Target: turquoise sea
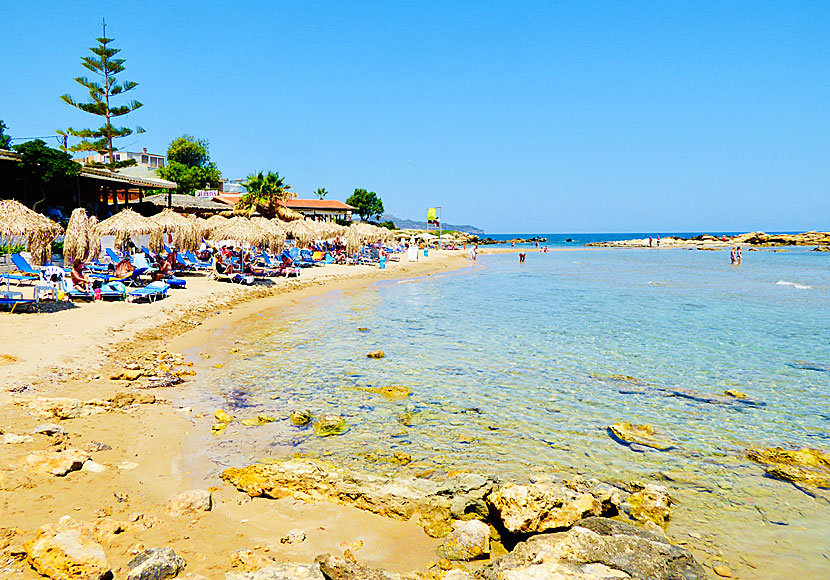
pixel 517 369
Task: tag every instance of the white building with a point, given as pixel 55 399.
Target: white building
pixel 143 158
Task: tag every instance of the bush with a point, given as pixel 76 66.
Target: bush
pixel 16 249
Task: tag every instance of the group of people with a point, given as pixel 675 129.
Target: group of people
pixel 735 255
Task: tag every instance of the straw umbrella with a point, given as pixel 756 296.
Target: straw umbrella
pixel 242 230
pixel 18 221
pixel 354 240
pixel 211 224
pixel 272 233
pixel 198 226
pixel 300 231
pixel 127 223
pixel 76 244
pixel 183 230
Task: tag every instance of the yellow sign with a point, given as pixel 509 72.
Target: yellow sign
pixel 431 214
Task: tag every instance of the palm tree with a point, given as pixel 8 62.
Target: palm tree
pixel 321 193
pixel 265 192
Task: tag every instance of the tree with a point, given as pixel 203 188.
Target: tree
pixel 101 92
pixel 321 193
pixel 5 139
pixel 367 203
pixel 48 168
pixel 189 165
pixel 265 192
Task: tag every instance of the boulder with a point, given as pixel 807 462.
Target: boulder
pixel 651 504
pixel 155 564
pixel 189 502
pixel 330 424
pixel 57 463
pixel 433 503
pixel 469 540
pixel 337 569
pixel 808 467
pixel 539 507
pixel 376 354
pixel 300 417
pixel 627 433
pixel 67 551
pixel 596 548
pixel 280 571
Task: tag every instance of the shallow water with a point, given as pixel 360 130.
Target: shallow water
pixel 516 369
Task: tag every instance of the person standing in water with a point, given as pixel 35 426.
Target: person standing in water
pixel 474 252
pixel 732 255
pixel 522 257
pixel 738 256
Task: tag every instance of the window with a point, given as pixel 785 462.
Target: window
pixel 145 160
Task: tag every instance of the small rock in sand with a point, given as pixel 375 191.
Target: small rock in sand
pixel 57 463
pixel 92 467
pixel 189 502
pixel 155 564
pixel 294 536
pixel 722 571
pixel 300 417
pixel 50 429
pixel 127 465
pixel 11 438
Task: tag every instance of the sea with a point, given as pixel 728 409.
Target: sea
pixel 517 370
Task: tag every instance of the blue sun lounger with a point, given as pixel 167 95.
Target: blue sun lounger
pixel 151 292
pixel 12 303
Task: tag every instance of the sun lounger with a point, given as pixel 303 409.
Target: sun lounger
pixel 236 278
pixel 151 292
pixel 12 303
pixel 191 260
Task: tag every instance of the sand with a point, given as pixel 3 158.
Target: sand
pixel 73 351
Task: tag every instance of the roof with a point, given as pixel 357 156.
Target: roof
pixel 186 202
pixel 330 204
pixel 228 198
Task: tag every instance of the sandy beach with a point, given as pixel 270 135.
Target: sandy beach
pixel 57 368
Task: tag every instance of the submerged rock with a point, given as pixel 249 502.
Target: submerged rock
pixel 628 433
pixel 155 564
pixel 66 551
pixel 376 354
pixel 222 416
pixel 596 548
pixel 300 417
pixel 389 391
pixel 469 540
pixel 435 503
pixel 541 507
pixel 257 421
pixel 330 424
pixel 808 467
pixel 651 504
pixel 734 393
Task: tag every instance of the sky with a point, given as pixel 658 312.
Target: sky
pixel 511 116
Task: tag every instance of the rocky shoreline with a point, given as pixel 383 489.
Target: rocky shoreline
pixel 821 240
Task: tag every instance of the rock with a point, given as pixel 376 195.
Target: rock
pixel 596 548
pixel 96 446
pixel 734 393
pixel 469 540
pixel 127 465
pixel 257 421
pixel 248 560
pixel 435 503
pixel 722 571
pixel 330 424
pixel 457 575
pixel 189 502
pixel 808 467
pixel 610 497
pixel 57 463
pixel 222 416
pixel 92 467
pixel 626 433
pixel 63 408
pixel 12 439
pixel 50 429
pixel 389 391
pixel 337 569
pixel 127 375
pixel 294 536
pixel 300 417
pixel 821 249
pixel 651 504
pixel 122 400
pixel 362 329
pixel 67 551
pixel 155 564
pixel 540 507
pixel 376 354
pixel 280 571
pixel 163 380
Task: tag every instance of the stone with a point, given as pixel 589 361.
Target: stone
pixel 457 575
pixel 257 421
pixel 248 561
pixel 735 394
pixel 50 429
pixel 541 507
pixel 596 548
pixel 67 551
pixel 57 463
pixel 610 497
pixel 376 354
pixel 808 467
pixel 127 465
pixel 389 391
pixel 337 569
pixel 469 540
pixel 722 571
pixel 63 408
pixel 434 503
pixel 294 536
pixel 92 467
pixel 330 424
pixel 189 503
pixel 300 417
pixel 127 375
pixel 627 433
pixel 280 571
pixel 12 439
pixel 222 416
pixel 122 400
pixel 155 564
pixel 651 504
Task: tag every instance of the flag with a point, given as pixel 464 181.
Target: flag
pixel 431 214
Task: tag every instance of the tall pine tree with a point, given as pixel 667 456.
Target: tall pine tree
pixel 101 91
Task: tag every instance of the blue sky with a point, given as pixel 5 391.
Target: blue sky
pixel 516 117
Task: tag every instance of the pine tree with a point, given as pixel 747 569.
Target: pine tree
pixel 101 92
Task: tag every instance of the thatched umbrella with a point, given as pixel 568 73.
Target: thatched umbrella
pixel 18 221
pixel 127 223
pixel 210 224
pixel 272 233
pixel 183 230
pixel 242 230
pixel 354 240
pixel 288 215
pixel 76 243
pixel 198 226
pixel 300 231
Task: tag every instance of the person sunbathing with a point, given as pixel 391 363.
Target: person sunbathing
pixel 223 268
pixel 124 268
pixel 79 278
pixel 164 269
